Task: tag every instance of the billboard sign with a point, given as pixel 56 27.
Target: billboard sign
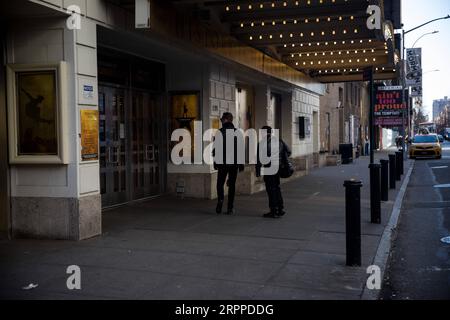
pixel 389 106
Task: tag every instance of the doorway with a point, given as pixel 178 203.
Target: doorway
pixel 328 132
pixel 130 145
pixel 132 148
pixel 316 142
pixel 245 107
pixel 276 111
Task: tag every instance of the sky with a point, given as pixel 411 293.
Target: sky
pixel 435 48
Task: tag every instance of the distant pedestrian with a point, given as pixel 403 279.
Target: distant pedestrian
pixel 273 181
pixel 226 169
pixel 399 142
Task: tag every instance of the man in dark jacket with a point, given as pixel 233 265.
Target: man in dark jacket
pixel 273 181
pixel 226 168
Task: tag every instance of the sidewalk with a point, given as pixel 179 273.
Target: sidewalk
pixel 179 249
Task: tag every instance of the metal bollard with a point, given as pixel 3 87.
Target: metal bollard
pixel 375 196
pixel 398 164
pixel 384 180
pixel 402 163
pixel 392 171
pixel 353 222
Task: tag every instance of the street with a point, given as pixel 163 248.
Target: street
pixel 420 263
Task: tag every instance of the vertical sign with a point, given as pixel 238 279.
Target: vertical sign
pixel 89 135
pixel 414 71
pixel 142 14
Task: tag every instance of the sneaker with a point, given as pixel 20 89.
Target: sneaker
pixel 270 215
pixel 281 212
pixel 219 207
pixel 230 212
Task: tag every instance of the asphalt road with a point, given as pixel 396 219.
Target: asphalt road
pixel 419 267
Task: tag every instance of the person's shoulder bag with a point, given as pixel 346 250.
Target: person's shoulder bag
pixel 286 167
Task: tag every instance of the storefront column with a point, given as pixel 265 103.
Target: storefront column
pixel 57 201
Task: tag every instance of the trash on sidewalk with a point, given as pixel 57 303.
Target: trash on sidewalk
pixel 446 240
pixel 31 286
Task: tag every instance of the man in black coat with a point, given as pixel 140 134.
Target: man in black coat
pixel 273 181
pixel 226 168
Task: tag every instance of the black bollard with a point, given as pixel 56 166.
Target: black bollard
pixel 392 171
pixel 375 196
pixel 398 165
pixel 402 163
pixel 384 180
pixel 353 222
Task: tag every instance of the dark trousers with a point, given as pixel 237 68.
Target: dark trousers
pixel 231 172
pixel 274 192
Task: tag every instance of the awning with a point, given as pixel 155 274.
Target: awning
pixel 329 40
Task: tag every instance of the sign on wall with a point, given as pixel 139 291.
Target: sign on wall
pixel 304 127
pixel 389 106
pixel 89 135
pixel 142 14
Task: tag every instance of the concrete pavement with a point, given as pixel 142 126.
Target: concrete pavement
pixel 180 249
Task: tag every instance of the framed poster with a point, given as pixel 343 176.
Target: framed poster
pixel 215 123
pixel 89 135
pixel 36 113
pixel 184 110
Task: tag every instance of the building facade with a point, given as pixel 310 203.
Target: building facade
pixel 134 80
pixel 344 112
pixel 438 106
pixel 90 96
pixel 443 122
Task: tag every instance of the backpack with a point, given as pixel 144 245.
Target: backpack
pixel 286 167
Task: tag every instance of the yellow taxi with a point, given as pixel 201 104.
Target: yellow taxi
pixel 425 146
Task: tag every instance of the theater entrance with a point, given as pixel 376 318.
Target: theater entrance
pixel 132 134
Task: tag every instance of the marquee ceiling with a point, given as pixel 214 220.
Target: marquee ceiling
pixel 327 39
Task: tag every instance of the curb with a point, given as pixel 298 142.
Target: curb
pixel 388 237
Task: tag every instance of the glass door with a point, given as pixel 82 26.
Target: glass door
pixel 130 145
pixel 113 146
pixel 146 145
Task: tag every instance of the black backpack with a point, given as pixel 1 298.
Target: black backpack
pixel 286 167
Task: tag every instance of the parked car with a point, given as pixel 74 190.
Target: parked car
pixel 441 138
pixel 425 146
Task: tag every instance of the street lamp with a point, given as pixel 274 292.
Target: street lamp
pixel 430 71
pixel 426 23
pixel 404 59
pixel 418 27
pixel 424 35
